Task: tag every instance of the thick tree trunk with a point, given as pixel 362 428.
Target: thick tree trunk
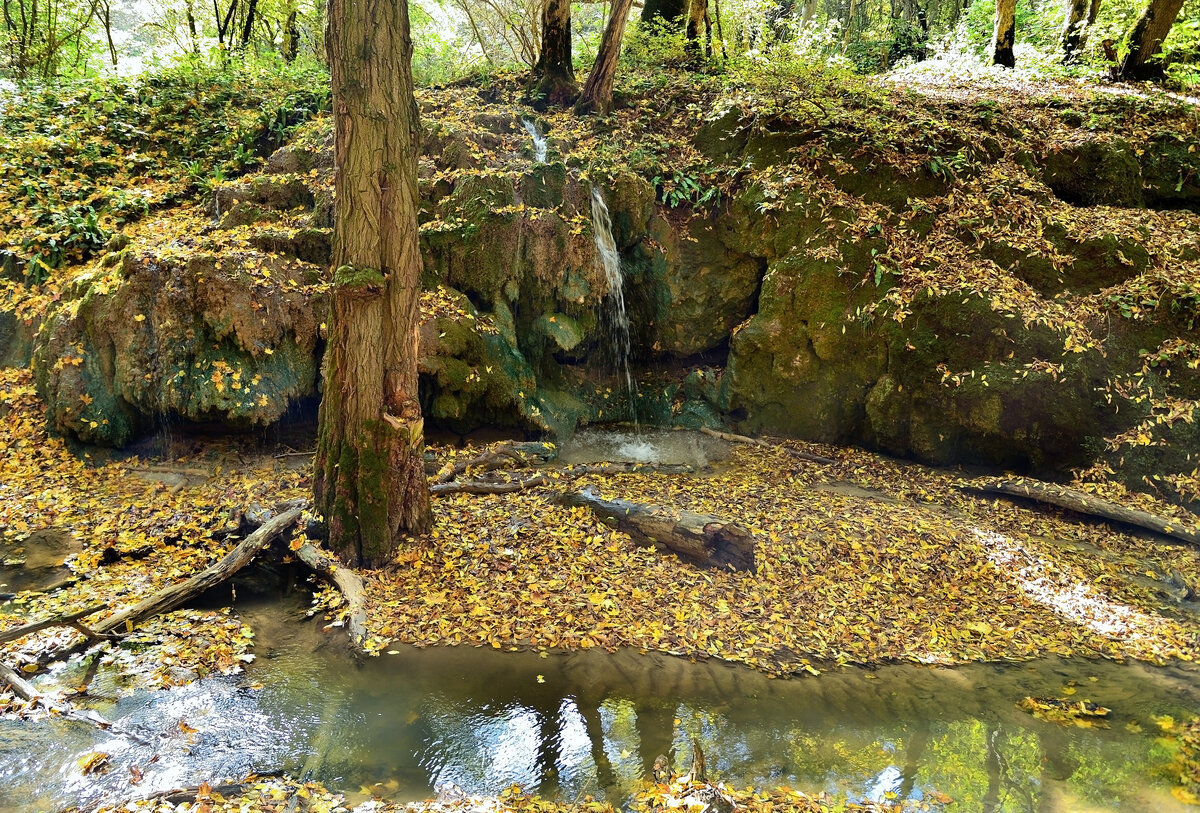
pixel 698 539
pixel 1146 38
pixel 663 11
pixel 369 480
pixel 597 92
pixel 1004 34
pixel 555 71
pixel 1074 29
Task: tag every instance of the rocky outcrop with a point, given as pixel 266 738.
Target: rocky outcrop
pixel 964 299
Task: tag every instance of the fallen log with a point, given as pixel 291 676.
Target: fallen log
pixel 698 539
pixel 69 620
pixel 171 597
pixel 1083 503
pixel 485 487
pixel 493 458
pixel 732 438
pixel 347 582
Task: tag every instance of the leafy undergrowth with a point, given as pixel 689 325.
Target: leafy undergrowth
pixel 80 162
pixel 263 795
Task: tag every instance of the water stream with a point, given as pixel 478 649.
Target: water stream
pixel 539 141
pixel 616 317
pixel 417 722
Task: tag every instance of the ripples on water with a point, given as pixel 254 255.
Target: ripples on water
pixel 477 721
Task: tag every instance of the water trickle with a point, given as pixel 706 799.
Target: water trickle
pixel 539 141
pixel 616 318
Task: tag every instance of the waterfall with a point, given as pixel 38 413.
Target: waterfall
pixel 539 141
pixel 616 317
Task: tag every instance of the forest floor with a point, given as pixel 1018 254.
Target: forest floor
pixel 864 561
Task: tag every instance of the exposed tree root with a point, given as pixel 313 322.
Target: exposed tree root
pixel 1083 503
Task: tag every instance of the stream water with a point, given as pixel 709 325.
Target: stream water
pixel 418 722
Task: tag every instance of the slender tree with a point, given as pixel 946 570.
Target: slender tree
pixel 369 479
pixel 555 73
pixel 1004 34
pixel 1146 38
pixel 596 96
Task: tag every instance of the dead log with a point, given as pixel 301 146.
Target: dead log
pixel 171 597
pixel 69 620
pixel 487 487
pixel 347 582
pixel 493 458
pixel 732 438
pixel 1083 503
pixel 698 539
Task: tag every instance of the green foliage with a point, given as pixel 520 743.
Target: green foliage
pixel 81 159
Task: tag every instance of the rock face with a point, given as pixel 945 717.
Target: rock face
pixel 196 338
pixel 978 300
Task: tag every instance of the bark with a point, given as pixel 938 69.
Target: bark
pixel 1146 38
pixel 291 37
pixel 694 31
pixel 669 11
pixel 597 92
pixel 369 478
pixel 248 28
pixel 1004 34
pixel 1084 503
pixel 68 620
pixel 555 70
pixel 171 597
pixel 698 539
pixel 1074 28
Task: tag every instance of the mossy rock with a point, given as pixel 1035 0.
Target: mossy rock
pixel 543 185
pixel 1095 172
pixel 702 289
pixel 184 339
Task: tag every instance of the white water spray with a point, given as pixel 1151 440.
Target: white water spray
pixel 618 318
pixel 539 141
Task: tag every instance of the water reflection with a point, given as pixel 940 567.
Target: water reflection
pixel 419 722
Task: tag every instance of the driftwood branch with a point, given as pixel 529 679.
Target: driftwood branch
pixel 69 620
pixel 171 597
pixel 347 582
pixel 1083 503
pixel 568 473
pixel 699 539
pixel 732 438
pixel 27 691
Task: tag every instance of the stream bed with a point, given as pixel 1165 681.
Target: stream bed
pixel 413 723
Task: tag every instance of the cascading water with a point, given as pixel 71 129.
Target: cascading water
pixel 617 318
pixel 539 141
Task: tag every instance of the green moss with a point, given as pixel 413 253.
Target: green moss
pixel 349 276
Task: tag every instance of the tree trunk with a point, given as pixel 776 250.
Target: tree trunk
pixel 1004 34
pixel 291 37
pixel 1074 27
pixel 248 28
pixel 555 71
pixel 1145 39
pixel 668 11
pixel 695 30
pixel 369 479
pixel 597 92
